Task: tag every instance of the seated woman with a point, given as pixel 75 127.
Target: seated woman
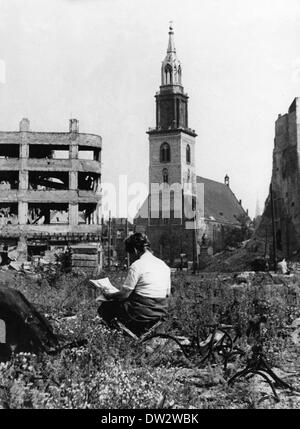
pixel 142 300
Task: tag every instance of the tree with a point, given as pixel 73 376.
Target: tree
pixel 234 236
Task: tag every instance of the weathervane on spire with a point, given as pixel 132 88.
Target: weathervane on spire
pixel 171 25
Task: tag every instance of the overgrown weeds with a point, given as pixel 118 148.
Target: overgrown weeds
pixel 113 371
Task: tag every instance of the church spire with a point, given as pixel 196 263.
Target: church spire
pixel 171 100
pixel 171 67
pixel 171 44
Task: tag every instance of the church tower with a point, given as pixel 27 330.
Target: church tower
pixel 172 142
pixel 206 212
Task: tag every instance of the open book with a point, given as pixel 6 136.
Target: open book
pixel 103 285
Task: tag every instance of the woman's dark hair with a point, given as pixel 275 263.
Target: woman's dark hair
pixel 138 241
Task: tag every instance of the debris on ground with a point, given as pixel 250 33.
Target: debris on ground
pixel 13 254
pixel 15 265
pixel 282 267
pixel 244 277
pixel 233 260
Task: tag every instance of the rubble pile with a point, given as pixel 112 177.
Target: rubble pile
pixel 12 258
pixel 230 260
pixel 251 256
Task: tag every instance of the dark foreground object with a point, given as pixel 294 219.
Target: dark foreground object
pixel 23 328
pixel 257 365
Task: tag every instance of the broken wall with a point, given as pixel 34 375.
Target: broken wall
pixel 286 187
pixel 49 186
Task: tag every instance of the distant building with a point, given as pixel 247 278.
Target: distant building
pixel 114 233
pixel 172 161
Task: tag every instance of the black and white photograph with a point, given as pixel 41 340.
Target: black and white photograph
pixel 149 207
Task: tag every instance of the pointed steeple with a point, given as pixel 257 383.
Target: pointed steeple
pixel 171 44
pixel 171 67
pixel 171 100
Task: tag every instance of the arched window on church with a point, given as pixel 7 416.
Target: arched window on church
pixel 165 152
pixel 2 332
pixel 165 174
pixel 168 75
pixel 188 154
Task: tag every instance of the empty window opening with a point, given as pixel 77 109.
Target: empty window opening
pixel 49 151
pixel 2 332
pixel 9 180
pixel 7 251
pixel 48 180
pixel 4 259
pixel 89 153
pixel 36 249
pixel 9 151
pixel 88 181
pixel 178 112
pixel 8 214
pixel 87 214
pixel 48 214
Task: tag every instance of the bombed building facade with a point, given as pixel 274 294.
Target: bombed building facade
pixel 172 161
pixel 50 188
pixel 281 218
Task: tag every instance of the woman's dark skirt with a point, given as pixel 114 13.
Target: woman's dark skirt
pixel 138 313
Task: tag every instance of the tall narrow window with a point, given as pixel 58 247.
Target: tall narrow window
pixel 177 113
pixel 2 332
pixel 168 75
pixel 188 154
pixel 165 153
pixel 165 175
pixel 179 75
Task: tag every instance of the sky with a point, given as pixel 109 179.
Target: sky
pixel 99 61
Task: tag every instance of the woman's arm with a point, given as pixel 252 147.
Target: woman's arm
pixel 127 288
pixel 121 295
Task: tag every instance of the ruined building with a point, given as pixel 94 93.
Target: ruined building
pixel 172 161
pixel 285 184
pixel 49 188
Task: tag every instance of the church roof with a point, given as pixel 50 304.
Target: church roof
pixel 220 203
